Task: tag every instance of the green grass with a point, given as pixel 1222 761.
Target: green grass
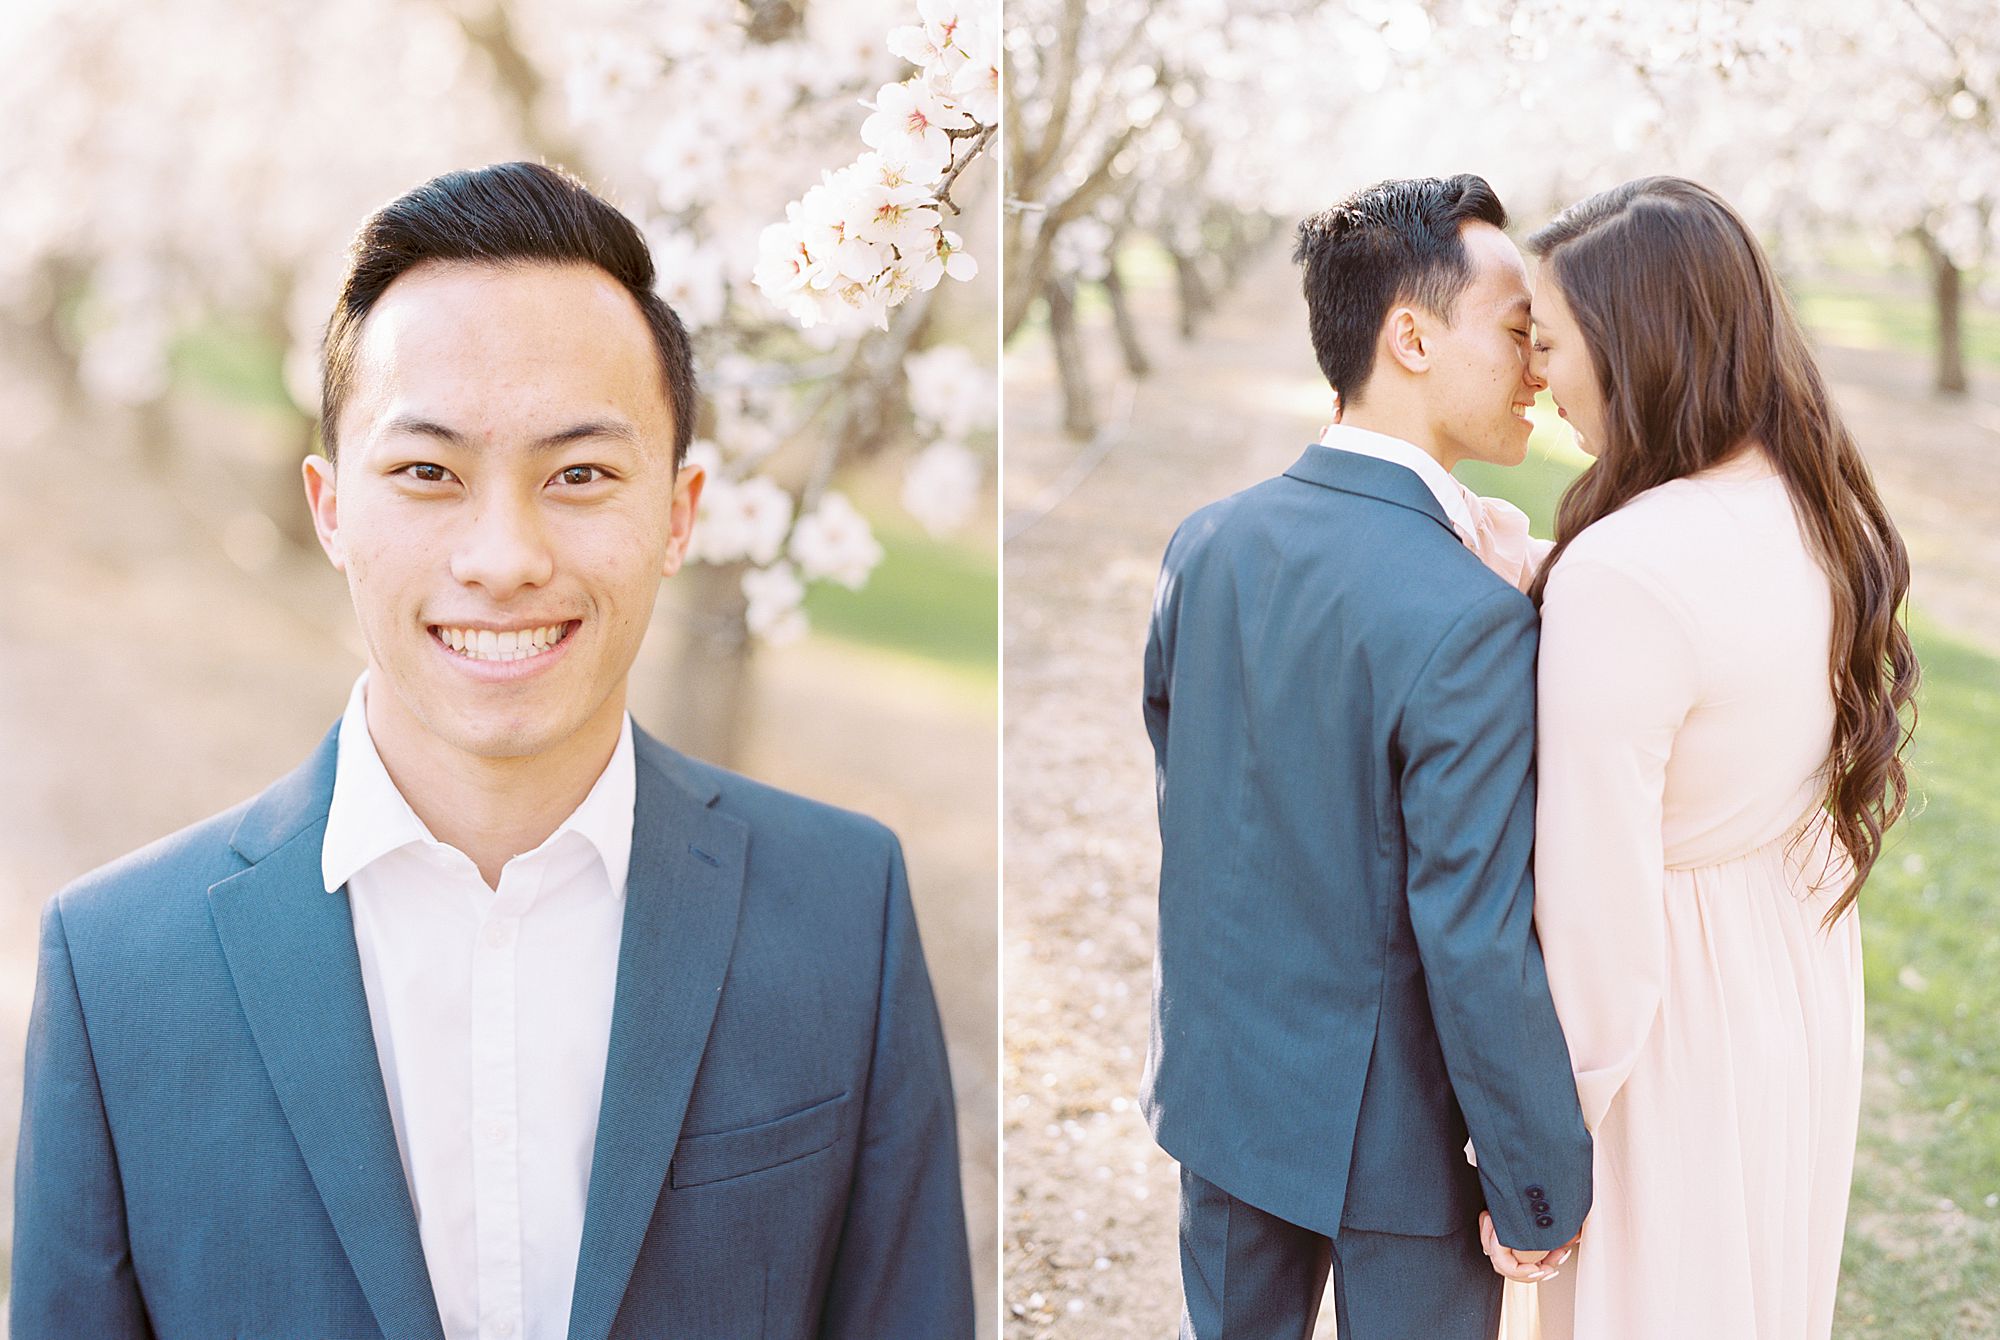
pixel 937 599
pixel 1874 317
pixel 1923 1245
pixel 1933 939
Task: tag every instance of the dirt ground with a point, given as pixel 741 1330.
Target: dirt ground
pixel 148 678
pixel 1089 1236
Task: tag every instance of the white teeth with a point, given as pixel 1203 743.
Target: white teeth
pixel 485 644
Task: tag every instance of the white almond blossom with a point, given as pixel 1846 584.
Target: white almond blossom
pixel 233 191
pixel 740 519
pixel 941 487
pixel 833 543
pixel 975 85
pixel 872 234
pixel 688 276
pixel 774 595
pixel 911 124
pixel 951 393
pixel 932 39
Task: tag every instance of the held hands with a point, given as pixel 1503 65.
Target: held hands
pixel 1526 1267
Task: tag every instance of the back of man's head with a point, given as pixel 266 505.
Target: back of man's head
pixel 504 215
pixel 1395 243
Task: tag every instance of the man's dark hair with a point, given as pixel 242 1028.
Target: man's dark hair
pixel 1393 243
pixel 504 215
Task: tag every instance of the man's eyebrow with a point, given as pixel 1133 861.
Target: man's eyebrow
pixel 1520 307
pixel 615 429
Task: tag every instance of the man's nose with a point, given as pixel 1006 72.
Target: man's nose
pixel 505 548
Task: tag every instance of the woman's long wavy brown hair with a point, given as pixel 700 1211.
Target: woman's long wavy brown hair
pixel 1697 351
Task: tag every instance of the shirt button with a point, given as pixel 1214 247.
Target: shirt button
pixel 496 1134
pixel 496 934
pixel 504 1327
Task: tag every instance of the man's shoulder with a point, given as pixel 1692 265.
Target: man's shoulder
pixel 776 818
pixel 167 876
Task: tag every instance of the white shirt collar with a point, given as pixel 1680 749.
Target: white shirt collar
pixel 1448 491
pixel 368 817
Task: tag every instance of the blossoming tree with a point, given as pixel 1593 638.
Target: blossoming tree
pixel 171 188
pixel 1190 122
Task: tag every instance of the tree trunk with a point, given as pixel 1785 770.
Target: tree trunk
pixel 51 340
pixel 1947 303
pixel 285 493
pixel 1136 362
pixel 702 703
pixel 775 20
pixel 1193 292
pixel 1079 420
pixel 152 429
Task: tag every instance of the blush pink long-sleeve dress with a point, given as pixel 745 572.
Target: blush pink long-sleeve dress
pixel 1682 870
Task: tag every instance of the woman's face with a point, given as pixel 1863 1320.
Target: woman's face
pixel 1561 359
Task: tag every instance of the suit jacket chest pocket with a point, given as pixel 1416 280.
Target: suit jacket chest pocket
pixel 720 1155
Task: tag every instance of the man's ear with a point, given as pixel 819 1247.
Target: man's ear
pixel 325 507
pixel 1405 337
pixel 687 500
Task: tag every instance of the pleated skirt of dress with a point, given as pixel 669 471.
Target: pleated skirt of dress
pixel 1722 1166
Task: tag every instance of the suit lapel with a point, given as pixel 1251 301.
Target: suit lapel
pixel 683 895
pixel 291 953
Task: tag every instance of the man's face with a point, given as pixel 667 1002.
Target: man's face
pixel 505 502
pixel 1563 361
pixel 1481 382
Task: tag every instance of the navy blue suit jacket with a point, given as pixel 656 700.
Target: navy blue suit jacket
pixel 1341 699
pixel 206 1148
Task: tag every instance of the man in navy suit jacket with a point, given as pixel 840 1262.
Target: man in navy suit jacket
pixel 220 1139
pixel 1341 702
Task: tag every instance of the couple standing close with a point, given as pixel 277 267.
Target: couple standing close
pixel 1474 963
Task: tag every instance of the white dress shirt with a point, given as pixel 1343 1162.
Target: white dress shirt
pixel 492 1018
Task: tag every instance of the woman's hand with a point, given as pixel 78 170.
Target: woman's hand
pixel 1526 1267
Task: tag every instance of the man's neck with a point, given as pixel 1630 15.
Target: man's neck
pixel 492 809
pixel 1394 423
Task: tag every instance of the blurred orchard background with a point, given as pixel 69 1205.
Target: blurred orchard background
pixel 817 182
pixel 1158 154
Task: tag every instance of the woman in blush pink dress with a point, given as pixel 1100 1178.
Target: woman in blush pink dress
pixel 1723 678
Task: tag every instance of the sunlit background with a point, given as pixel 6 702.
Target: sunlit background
pixel 180 185
pixel 1160 152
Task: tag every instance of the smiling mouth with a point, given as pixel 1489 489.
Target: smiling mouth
pixel 513 644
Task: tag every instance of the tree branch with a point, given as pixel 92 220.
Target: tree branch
pixel 979 143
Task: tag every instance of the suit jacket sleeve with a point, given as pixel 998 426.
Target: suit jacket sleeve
pixel 72 1267
pixel 903 1267
pixel 1467 738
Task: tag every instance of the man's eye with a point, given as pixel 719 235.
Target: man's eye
pixel 427 473
pixel 580 474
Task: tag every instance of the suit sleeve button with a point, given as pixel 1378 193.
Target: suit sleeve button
pixel 1535 1193
pixel 1540 1207
pixel 1543 1221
